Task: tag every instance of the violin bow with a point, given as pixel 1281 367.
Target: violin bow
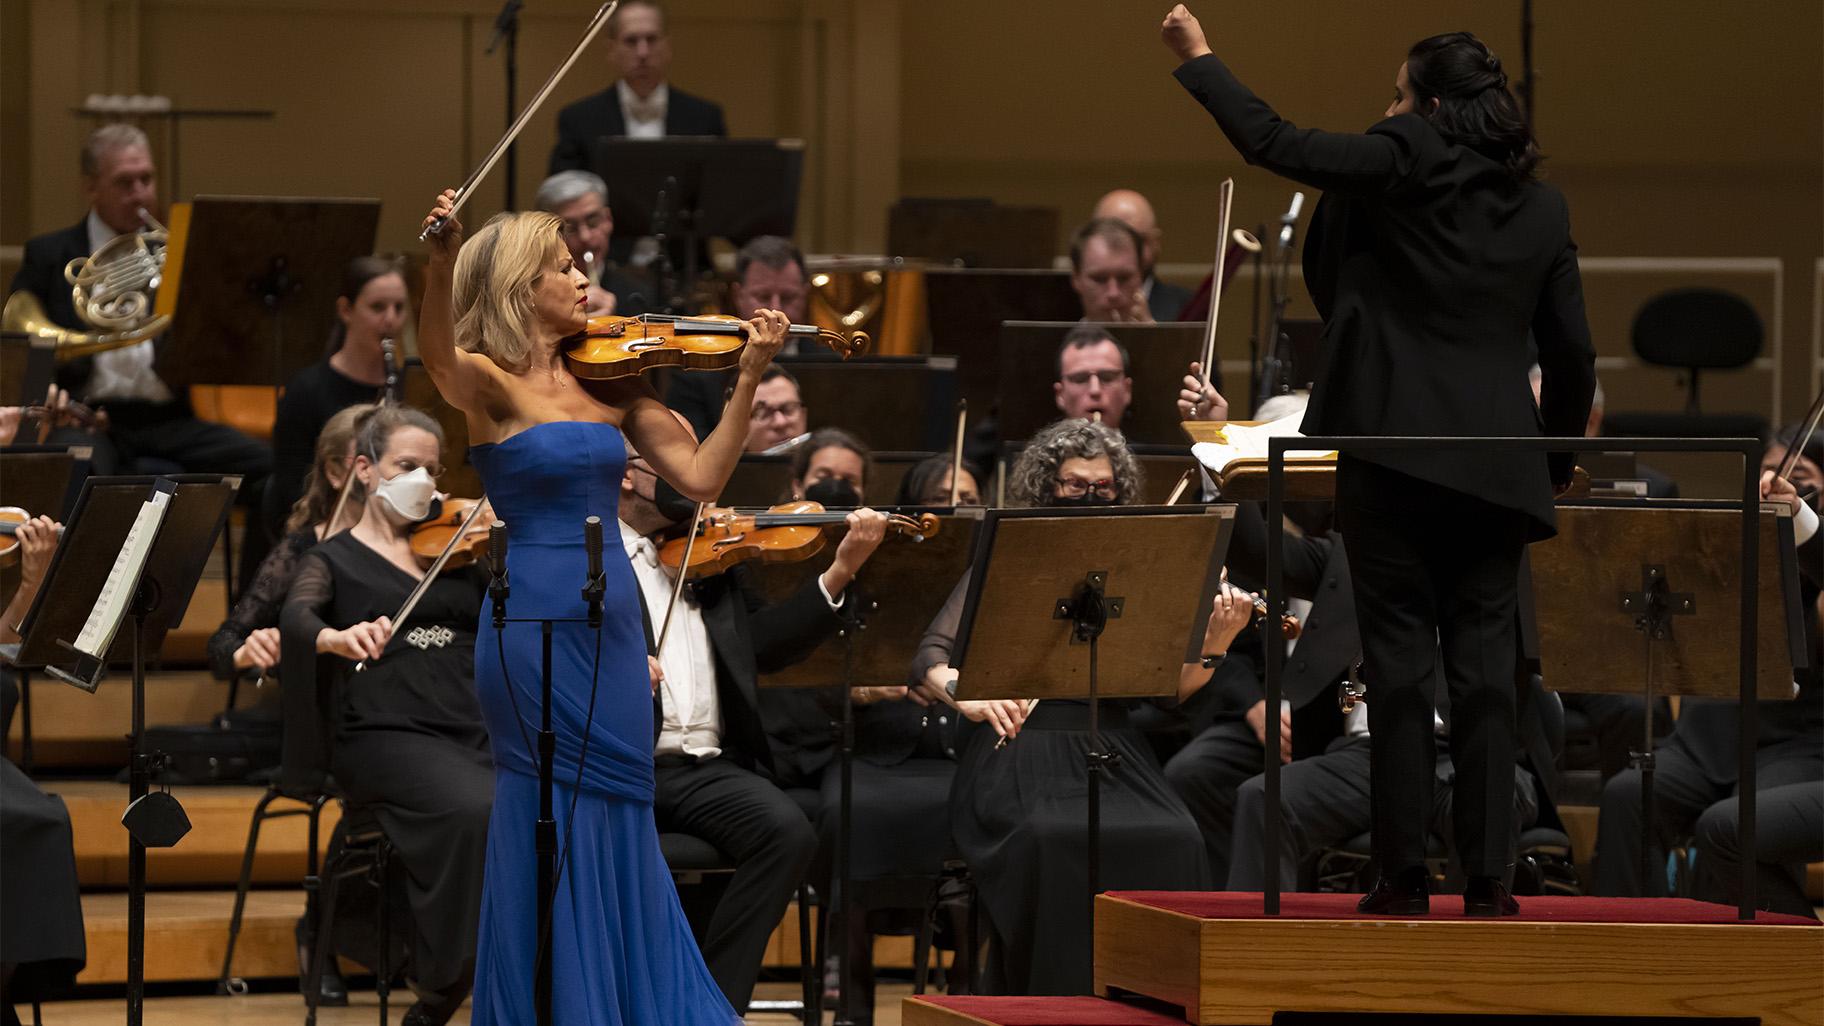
pixel 424 583
pixel 1225 203
pixel 1804 437
pixel 468 187
pixel 956 456
pixel 677 588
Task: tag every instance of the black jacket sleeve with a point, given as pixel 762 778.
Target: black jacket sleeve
pixel 1567 358
pixel 1375 161
pixel 1304 562
pixel 787 631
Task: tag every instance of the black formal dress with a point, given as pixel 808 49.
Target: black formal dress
pixel 314 394
pixel 1019 817
pixel 580 124
pixel 260 603
pixel 40 901
pixel 1430 264
pixel 734 800
pixel 404 737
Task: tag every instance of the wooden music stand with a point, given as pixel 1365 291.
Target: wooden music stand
pixel 251 283
pixel 972 232
pixel 1160 356
pixel 1308 479
pixel 1050 588
pixel 1644 598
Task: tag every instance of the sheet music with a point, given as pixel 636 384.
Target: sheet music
pixel 111 605
pixel 1242 442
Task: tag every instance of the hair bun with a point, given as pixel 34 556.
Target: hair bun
pixel 1494 64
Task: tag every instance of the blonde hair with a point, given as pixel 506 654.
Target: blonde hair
pixel 496 272
pixel 333 443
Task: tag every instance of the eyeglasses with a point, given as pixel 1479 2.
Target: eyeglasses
pixel 1108 378
pixel 762 411
pixel 573 227
pixel 1071 487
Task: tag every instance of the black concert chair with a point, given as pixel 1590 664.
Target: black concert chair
pixel 363 857
pixel 691 860
pixel 1693 330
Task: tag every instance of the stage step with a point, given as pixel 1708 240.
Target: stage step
pixel 187 932
pixel 209 854
pixel 1216 956
pixel 936 1010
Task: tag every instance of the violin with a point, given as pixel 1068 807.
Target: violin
pixel 620 347
pixel 445 531
pixel 786 533
pixel 10 519
pixel 1289 627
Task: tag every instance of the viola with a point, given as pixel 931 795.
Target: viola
pixel 786 533
pixel 620 347
pixel 431 537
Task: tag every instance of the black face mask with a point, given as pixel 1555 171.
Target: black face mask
pixel 833 493
pixel 1086 499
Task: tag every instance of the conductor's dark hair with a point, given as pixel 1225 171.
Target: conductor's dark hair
pixel 1111 231
pixel 1474 107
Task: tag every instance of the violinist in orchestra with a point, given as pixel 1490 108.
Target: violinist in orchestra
pixel 403 735
pixel 1439 262
pixel 769 275
pixel 778 419
pixel 248 640
pixel 715 772
pixel 581 199
pixel 371 306
pixel 1105 271
pixel 150 427
pixel 929 482
pixel 1163 299
pixel 551 450
pixel 1017 810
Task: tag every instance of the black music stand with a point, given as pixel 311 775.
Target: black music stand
pixel 737 189
pixel 966 307
pixel 1662 573
pixel 972 232
pixel 1050 588
pixel 95 559
pixel 38 479
pixel 899 592
pixel 761 481
pixel 1159 356
pixel 901 403
pixel 256 267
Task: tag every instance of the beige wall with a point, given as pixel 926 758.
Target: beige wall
pixel 1685 128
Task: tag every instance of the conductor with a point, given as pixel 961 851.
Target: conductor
pixel 1432 256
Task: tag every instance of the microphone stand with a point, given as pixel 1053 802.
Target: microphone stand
pixel 670 301
pixel 1254 365
pixel 1273 368
pixel 545 829
pixel 506 30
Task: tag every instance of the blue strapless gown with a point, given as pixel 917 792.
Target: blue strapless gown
pixel 624 954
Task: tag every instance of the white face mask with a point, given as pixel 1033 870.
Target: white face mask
pixel 408 495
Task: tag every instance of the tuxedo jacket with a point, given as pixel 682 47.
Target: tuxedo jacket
pixel 41 274
pixel 748 637
pixel 581 123
pixel 1430 265
pixel 1316 569
pixel 1166 301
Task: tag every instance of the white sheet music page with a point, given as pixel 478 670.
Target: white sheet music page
pixel 111 605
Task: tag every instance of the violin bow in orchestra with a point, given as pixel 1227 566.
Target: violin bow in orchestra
pixel 430 575
pixel 677 587
pixel 544 92
pixel 956 455
pixel 1804 437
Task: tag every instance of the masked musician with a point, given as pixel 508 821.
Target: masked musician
pixel 1163 299
pixel 150 428
pixel 370 307
pixel 552 452
pixel 1433 255
pixel 641 104
pixel 1016 812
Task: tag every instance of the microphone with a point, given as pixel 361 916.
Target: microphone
pixel 597 584
pixel 498 588
pixel 1289 222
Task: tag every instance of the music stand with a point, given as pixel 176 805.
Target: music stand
pixel 972 232
pixel 151 566
pixel 902 403
pixel 1159 355
pixel 901 589
pixel 1049 588
pixel 1665 573
pixel 256 267
pixel 966 308
pixel 27 365
pixel 761 481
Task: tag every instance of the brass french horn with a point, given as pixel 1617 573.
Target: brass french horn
pixel 112 290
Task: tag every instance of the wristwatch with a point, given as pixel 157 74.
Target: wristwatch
pixel 1210 662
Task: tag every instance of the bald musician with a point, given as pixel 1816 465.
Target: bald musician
pixel 1163 299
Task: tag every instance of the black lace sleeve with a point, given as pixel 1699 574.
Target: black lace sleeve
pixel 259 606
pixel 940 638
pixel 308 689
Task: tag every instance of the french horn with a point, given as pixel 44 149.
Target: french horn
pixel 112 290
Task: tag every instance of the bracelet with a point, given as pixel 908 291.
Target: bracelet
pixel 1210 662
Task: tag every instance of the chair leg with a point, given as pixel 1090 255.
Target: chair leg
pixel 322 943
pixel 384 983
pixel 315 816
pixel 819 954
pixel 226 983
pixel 811 975
pixel 921 944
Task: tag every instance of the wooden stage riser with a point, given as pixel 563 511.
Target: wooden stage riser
pixel 1243 970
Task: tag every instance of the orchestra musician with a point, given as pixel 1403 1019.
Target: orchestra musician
pixel 403 737
pixel 552 452
pixel 1432 256
pixel 928 483
pixel 1163 299
pixel 831 467
pixel 1092 376
pixel 370 307
pixel 1105 271
pixel 1016 812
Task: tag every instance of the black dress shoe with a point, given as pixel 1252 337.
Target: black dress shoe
pixel 331 991
pixel 1406 893
pixel 1487 896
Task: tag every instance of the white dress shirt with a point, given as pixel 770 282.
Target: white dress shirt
pixel 124 373
pixel 691 723
pixel 645 118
